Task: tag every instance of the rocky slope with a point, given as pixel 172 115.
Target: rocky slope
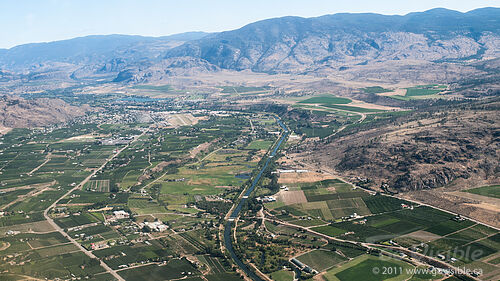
pixel 17 112
pixel 294 44
pixel 425 149
pixel 183 66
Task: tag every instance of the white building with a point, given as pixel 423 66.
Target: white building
pixel 157 226
pixel 121 214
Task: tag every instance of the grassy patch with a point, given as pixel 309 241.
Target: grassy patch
pixel 259 144
pixel 321 259
pixel 329 230
pixel 369 268
pixel 282 275
pixel 326 100
pixel 489 191
pixel 173 270
pixel 425 90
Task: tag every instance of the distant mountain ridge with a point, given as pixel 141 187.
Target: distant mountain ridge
pixel 281 44
pixel 296 45
pixel 92 49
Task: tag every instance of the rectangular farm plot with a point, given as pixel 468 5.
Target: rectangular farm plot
pixel 321 260
pixel 329 230
pixel 311 197
pixel 56 250
pixel 400 227
pixel 448 227
pixel 348 207
pixel 379 203
pixel 421 236
pixel 362 267
pixel 98 186
pixel 207 180
pixel 145 206
pixel 175 269
pixel 259 144
pixel 212 262
pixel 318 209
pixel 76 220
pixel 292 197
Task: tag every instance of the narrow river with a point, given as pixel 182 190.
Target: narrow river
pixel 227 229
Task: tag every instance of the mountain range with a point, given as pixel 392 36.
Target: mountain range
pixel 296 45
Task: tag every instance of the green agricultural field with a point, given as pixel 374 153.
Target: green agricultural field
pixel 282 275
pixel 329 230
pixel 259 144
pixel 137 253
pixel 76 220
pixel 448 227
pixel 229 276
pixel 370 268
pixel 421 92
pixel 489 191
pixel 424 90
pixel 327 200
pixel 96 199
pixel 321 259
pixel 326 100
pixel 144 205
pixel 58 266
pixel 98 186
pixel 17 219
pixel 380 203
pixel 172 270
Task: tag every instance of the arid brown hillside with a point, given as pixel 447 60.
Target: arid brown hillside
pixel 17 112
pixel 420 150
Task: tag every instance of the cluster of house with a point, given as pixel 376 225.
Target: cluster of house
pixel 354 216
pixel 406 206
pixel 443 257
pixel 458 218
pixel 12 232
pixel 99 245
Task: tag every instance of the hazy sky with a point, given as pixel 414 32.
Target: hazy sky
pixel 25 21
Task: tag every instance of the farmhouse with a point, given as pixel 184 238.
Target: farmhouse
pixel 121 214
